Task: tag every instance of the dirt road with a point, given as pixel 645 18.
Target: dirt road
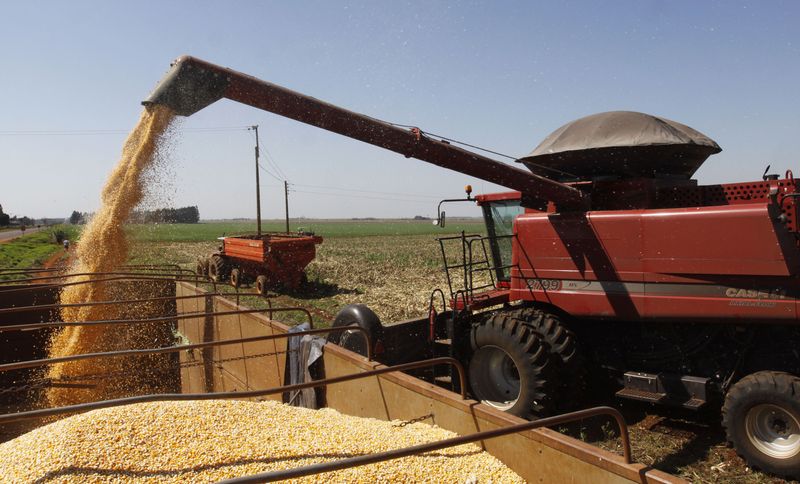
pixel 7 235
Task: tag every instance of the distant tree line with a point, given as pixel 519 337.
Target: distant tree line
pixel 6 219
pixel 183 215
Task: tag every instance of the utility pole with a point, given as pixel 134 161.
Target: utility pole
pixel 286 198
pixel 258 186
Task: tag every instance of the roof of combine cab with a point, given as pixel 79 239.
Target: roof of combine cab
pixel 621 144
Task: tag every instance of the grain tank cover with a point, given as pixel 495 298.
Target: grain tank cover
pixel 621 144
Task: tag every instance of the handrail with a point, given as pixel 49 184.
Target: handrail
pixel 174 275
pixel 111 302
pixel 165 397
pixel 16 270
pixel 19 365
pixel 160 319
pixel 441 444
pixel 24 288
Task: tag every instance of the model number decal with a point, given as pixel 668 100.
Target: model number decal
pixel 544 284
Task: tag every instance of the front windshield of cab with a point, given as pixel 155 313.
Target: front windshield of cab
pixel 500 217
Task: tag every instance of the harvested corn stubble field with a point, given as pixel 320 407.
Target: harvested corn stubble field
pixel 213 440
pixel 391 266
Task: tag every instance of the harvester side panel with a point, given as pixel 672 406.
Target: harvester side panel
pixel 705 263
pixel 725 240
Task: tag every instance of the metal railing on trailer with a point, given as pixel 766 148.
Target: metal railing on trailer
pixel 140 272
pixel 28 415
pixel 306 470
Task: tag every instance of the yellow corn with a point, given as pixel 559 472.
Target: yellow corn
pixel 208 441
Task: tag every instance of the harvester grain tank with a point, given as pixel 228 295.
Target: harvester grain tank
pixel 606 260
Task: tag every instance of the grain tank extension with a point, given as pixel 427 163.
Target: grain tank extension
pixel 605 261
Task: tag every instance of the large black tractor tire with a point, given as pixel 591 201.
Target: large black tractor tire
pixel 761 417
pixel 218 268
pixel 510 367
pixel 358 315
pixel 569 361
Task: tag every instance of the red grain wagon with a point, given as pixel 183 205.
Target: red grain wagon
pixel 269 260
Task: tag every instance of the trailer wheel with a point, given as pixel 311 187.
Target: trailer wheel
pixel 569 362
pixel 218 268
pixel 236 277
pixel 202 267
pixel 261 285
pixel 761 417
pixel 510 368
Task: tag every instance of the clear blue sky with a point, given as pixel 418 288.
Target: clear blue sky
pixel 497 74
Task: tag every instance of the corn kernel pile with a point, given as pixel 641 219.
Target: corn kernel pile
pixel 213 440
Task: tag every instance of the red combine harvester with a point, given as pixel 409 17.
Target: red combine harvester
pixel 268 260
pixel 606 261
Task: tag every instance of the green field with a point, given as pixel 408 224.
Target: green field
pixel 33 249
pixel 210 230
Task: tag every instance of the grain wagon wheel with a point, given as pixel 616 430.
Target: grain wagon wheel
pixel 510 368
pixel 236 277
pixel 761 417
pixel 261 285
pixel 202 267
pixel 218 268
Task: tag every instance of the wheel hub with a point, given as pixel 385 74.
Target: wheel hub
pixel 773 431
pixel 497 377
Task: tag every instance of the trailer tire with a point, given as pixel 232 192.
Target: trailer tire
pixel 568 359
pixel 218 268
pixel 236 277
pixel 761 417
pixel 202 267
pixel 261 285
pixel 360 315
pixel 511 367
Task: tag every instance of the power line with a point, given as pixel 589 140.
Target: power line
pixel 342 195
pixel 381 192
pixel 270 173
pixel 271 161
pixel 274 163
pixel 276 169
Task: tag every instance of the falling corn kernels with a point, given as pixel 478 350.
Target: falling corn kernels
pixel 212 440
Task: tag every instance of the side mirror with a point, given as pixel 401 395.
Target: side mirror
pixel 441 221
